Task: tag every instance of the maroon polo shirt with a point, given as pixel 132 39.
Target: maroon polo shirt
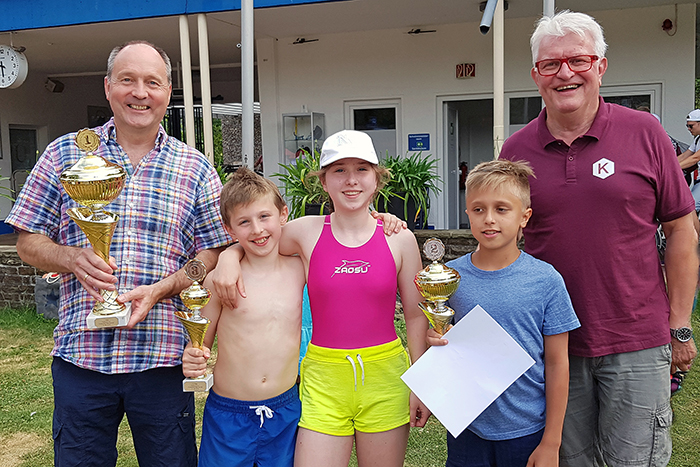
pixel 595 208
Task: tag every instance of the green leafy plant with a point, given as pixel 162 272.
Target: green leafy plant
pixel 219 150
pixel 6 192
pixel 412 179
pixel 300 189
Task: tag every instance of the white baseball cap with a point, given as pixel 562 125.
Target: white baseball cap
pixel 694 116
pixel 348 143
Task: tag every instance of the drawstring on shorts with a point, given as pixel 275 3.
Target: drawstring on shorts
pixel 263 411
pixel 354 369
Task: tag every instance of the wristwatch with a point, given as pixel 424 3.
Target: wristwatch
pixel 682 334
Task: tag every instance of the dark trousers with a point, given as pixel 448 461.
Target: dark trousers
pixel 469 450
pixel 89 406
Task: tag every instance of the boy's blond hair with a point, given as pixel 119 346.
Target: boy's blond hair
pixel 245 187
pixel 500 174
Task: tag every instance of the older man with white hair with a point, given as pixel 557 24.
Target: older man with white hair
pixel 605 175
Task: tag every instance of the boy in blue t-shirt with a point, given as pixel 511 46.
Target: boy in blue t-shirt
pixel 528 298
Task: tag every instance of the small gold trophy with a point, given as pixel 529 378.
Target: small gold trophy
pixel 195 297
pixel 436 283
pixel 93 182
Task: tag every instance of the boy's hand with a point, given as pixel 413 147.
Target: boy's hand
pixel 419 412
pixel 544 455
pixel 435 338
pixel 392 224
pixel 227 279
pixel 194 361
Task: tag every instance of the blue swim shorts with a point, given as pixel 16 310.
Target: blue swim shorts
pixel 246 432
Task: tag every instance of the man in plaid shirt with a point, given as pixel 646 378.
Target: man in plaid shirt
pixel 169 213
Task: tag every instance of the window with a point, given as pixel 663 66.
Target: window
pixel 375 119
pixel 524 109
pixel 634 96
pixel 633 101
pixel 380 120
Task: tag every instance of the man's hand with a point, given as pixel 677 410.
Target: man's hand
pixel 392 224
pixel 683 354
pixel 92 272
pixel 89 269
pixel 419 412
pixel 227 279
pixel 142 299
pixel 194 361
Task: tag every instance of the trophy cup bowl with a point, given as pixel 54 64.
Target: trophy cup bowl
pixel 436 283
pixel 93 182
pixel 195 297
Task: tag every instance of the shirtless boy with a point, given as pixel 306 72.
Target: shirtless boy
pixel 253 409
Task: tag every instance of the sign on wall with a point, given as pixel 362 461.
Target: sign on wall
pixel 465 70
pixel 419 142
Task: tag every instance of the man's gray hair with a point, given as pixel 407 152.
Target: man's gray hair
pixel 568 22
pixel 119 48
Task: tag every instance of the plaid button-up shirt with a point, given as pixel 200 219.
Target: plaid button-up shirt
pixel 168 212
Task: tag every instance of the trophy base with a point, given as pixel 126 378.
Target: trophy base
pixel 198 384
pixel 116 320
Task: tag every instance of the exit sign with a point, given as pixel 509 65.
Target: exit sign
pixel 465 70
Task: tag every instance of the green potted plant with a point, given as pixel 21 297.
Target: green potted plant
pixel 5 192
pixel 412 179
pixel 303 191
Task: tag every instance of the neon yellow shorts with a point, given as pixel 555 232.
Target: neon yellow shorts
pixel 343 390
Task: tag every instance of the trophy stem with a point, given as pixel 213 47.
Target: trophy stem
pixel 98 232
pixel 196 328
pixel 440 319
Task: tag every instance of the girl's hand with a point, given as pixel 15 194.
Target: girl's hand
pixel 227 278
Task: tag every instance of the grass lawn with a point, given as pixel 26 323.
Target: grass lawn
pixel 26 404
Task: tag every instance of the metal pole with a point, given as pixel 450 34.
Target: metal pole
pixel 548 8
pixel 187 80
pixel 247 96
pixel 498 81
pixel 206 85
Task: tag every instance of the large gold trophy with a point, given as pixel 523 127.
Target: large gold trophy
pixel 195 297
pixel 437 283
pixel 93 182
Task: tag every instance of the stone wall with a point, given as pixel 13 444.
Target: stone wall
pixel 17 279
pixel 457 242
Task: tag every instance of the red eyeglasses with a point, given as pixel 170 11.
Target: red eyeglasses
pixel 577 64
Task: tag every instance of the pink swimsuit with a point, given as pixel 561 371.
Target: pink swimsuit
pixel 352 292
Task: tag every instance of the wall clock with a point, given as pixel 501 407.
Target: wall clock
pixel 13 67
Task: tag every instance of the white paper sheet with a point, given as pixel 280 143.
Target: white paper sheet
pixel 459 380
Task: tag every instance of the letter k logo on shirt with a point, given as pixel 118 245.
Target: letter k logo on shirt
pixel 603 168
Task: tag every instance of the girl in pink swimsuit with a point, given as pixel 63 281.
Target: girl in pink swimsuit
pixel 351 389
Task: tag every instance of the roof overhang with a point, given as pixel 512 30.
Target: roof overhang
pixel 35 14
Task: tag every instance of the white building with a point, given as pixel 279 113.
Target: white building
pixel 356 62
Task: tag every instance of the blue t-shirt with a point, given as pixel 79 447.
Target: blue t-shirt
pixel 529 300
